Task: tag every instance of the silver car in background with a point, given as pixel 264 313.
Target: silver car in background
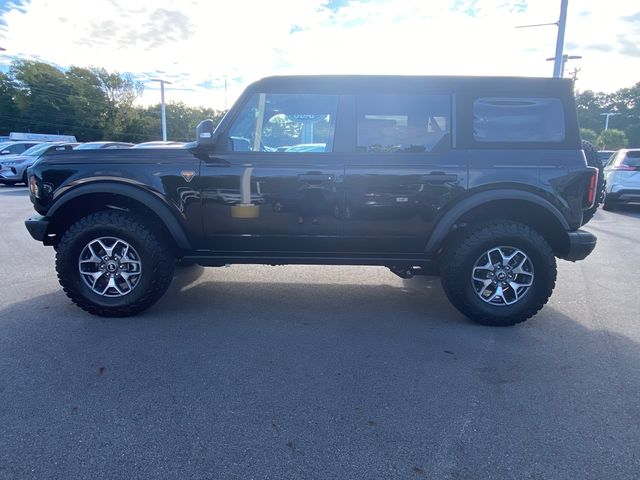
pixel 13 168
pixel 622 178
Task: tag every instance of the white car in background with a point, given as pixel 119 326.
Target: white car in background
pixel 622 178
pixel 13 168
pixel 15 148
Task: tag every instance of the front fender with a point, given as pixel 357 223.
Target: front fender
pixel 152 200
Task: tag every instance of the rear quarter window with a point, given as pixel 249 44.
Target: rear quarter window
pixel 518 120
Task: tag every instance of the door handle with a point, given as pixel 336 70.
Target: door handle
pixel 316 177
pixel 440 177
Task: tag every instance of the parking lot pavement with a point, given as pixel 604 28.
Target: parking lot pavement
pixel 319 372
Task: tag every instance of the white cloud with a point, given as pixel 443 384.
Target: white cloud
pixel 199 42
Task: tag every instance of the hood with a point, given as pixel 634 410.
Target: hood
pixel 116 155
pixel 13 157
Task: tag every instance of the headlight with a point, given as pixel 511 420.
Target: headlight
pixel 8 164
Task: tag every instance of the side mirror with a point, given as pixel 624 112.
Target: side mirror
pixel 5 152
pixel 204 133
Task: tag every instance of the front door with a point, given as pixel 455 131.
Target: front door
pixel 403 173
pixel 276 187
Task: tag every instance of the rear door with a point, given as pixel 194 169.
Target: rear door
pixel 276 186
pixel 403 173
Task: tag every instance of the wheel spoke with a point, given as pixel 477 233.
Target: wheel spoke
pixel 499 293
pixel 95 276
pixel 107 250
pixel 125 276
pixel 94 258
pixel 483 288
pixel 518 268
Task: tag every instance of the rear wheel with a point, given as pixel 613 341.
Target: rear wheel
pixel 113 265
pixel 609 205
pixel 499 274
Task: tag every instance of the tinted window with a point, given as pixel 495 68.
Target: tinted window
pixel 285 123
pixel 36 150
pixel 632 159
pixel 402 123
pixel 18 148
pixel 529 120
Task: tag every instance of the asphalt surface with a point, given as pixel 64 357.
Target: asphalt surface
pixel 319 372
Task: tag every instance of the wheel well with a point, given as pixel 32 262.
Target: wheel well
pixel 81 206
pixel 521 211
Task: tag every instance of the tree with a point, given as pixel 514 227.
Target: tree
pixel 88 102
pixel 612 139
pixel 9 113
pixel 120 91
pixel 625 103
pixel 42 93
pixel 589 135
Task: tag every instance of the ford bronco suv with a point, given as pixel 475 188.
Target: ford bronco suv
pixel 481 180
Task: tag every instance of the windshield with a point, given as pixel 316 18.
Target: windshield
pixel 36 150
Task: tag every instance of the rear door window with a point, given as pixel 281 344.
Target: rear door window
pixel 402 123
pixel 518 119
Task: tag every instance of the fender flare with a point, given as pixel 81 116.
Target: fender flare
pixel 449 219
pixel 147 198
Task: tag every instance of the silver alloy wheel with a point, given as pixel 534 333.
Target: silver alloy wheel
pixel 110 267
pixel 502 276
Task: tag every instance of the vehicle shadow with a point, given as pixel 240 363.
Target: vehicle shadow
pixel 375 377
pixel 628 210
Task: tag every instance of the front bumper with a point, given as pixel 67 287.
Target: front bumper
pixel 581 244
pixel 12 173
pixel 37 227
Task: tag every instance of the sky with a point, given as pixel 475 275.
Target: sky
pixel 196 44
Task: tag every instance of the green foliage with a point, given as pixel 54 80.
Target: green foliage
pixel 589 135
pixel 612 139
pixel 90 103
pixel 625 103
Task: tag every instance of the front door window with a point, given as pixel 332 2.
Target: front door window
pixel 288 123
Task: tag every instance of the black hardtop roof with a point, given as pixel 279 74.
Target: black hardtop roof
pixel 406 83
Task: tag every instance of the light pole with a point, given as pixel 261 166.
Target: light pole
pixel 164 113
pixel 558 66
pixel 607 115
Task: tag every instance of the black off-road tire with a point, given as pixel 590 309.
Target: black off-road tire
pixel 155 254
pixel 591 155
pixel 457 266
pixel 609 205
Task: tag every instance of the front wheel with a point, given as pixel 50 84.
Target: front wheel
pixel 499 274
pixel 111 264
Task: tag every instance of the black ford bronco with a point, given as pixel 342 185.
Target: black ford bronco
pixel 481 180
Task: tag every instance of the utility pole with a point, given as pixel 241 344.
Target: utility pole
pixel 558 66
pixel 164 113
pixel 563 62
